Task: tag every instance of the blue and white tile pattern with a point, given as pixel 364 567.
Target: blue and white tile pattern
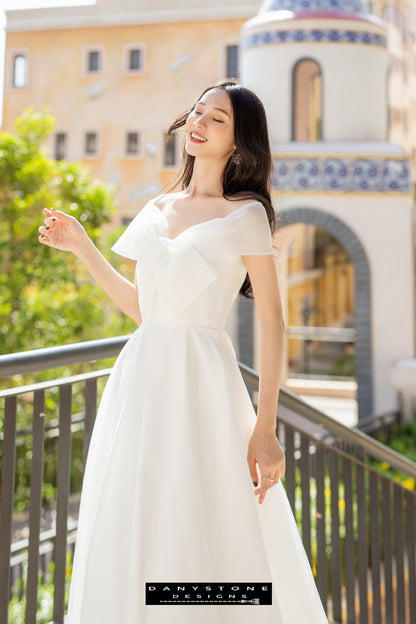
pixel 314 36
pixel 342 174
pixel 356 6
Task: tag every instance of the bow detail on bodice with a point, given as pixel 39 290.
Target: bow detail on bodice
pixel 181 273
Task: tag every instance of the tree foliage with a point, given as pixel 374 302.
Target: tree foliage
pixel 46 296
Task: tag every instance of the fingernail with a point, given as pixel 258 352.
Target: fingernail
pixel 53 218
pixel 48 227
pixel 255 483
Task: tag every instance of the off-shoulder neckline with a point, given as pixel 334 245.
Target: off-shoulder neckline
pixel 201 223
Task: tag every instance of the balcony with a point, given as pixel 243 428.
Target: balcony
pixel 358 525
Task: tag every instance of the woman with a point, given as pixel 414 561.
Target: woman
pixel 167 496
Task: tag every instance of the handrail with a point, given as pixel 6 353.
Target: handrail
pixel 52 357
pixel 372 423
pixel 330 334
pixel 377 450
pixel 63 355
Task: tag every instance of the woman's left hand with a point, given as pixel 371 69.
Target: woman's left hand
pixel 265 450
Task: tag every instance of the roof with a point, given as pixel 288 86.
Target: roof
pixel 127 12
pixel 347 6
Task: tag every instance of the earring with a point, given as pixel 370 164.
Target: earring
pixel 236 159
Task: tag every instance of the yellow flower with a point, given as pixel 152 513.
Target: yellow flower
pixel 341 504
pixel 410 483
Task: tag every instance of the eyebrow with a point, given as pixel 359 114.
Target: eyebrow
pixel 215 108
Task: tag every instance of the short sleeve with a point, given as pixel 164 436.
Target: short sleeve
pixel 255 234
pixel 126 245
pixel 246 231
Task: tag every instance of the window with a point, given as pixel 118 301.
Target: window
pixel 91 144
pixel 307 101
pixel 232 61
pixel 135 59
pixel 19 71
pixel 60 145
pixel 132 144
pixel 405 120
pixel 134 54
pixel 169 156
pixel 93 60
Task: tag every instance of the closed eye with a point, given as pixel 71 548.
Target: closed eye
pixel 214 119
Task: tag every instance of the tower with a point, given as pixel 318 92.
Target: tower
pixel 320 68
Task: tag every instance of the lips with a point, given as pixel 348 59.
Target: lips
pixel 197 138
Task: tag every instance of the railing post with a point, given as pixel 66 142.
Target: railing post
pixel 322 571
pixel 6 502
pixel 290 475
pixel 90 413
pixel 305 478
pixel 64 471
pixel 35 505
pixel 349 543
pixel 411 546
pixel 387 550
pixel 398 543
pixel 375 547
pixel 362 515
pixel 335 537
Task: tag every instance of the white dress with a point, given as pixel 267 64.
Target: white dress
pixel 167 494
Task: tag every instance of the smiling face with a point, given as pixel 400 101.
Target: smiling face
pixel 209 128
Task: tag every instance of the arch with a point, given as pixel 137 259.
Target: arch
pixel 362 283
pixel 307 100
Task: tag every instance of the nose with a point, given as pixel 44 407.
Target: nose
pixel 200 120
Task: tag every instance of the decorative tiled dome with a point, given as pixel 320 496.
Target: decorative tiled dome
pixel 347 6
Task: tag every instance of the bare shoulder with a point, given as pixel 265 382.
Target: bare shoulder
pixel 166 198
pixel 237 201
pixel 207 207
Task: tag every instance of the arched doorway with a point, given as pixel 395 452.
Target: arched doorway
pixel 318 284
pixel 362 285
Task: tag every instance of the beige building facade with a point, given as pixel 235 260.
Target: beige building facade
pixel 115 75
pixel 400 17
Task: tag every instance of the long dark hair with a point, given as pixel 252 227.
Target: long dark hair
pixel 250 178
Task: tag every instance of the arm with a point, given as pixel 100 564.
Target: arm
pixel 62 231
pixel 264 448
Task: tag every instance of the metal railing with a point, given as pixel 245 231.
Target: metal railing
pixel 332 334
pixel 357 524
pixel 380 426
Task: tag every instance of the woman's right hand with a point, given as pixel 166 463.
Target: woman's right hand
pixel 62 231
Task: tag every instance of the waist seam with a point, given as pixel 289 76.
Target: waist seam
pixel 184 325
